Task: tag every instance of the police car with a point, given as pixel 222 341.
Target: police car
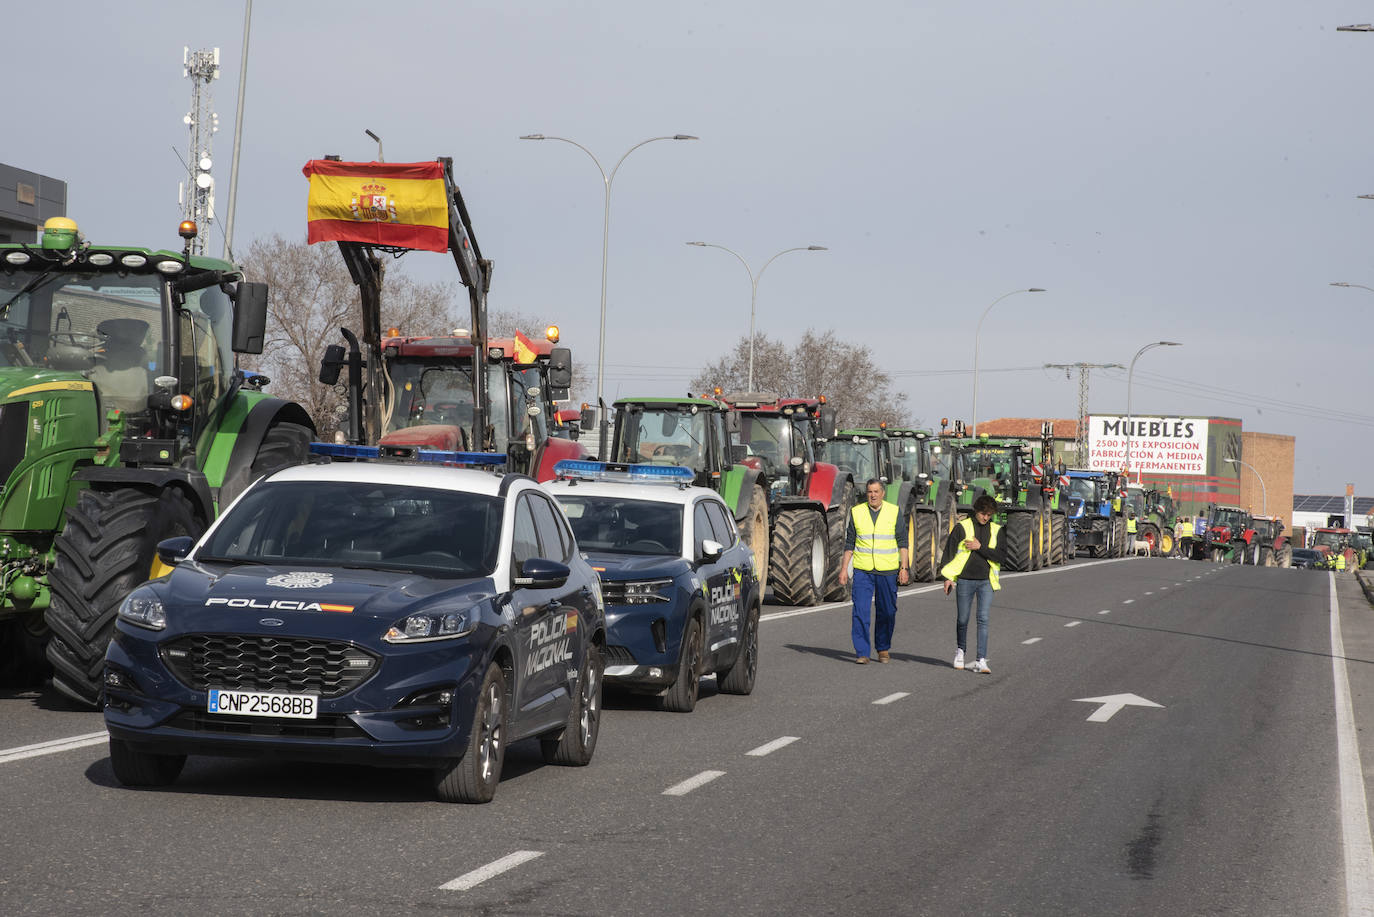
pixel 365 612
pixel 681 590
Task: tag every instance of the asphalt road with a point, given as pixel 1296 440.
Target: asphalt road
pixel 908 788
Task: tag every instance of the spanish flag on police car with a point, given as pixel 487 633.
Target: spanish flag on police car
pixel 403 204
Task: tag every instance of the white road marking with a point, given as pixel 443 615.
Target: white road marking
pixel 1030 641
pixel 1105 611
pixel 1359 855
pixel 1073 624
pixel 1128 601
pixel 691 783
pixel 772 746
pixel 52 748
pixel 892 697
pixel 1149 593
pixel 495 868
pixel 1112 705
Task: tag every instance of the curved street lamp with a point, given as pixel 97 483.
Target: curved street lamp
pixel 974 428
pixel 1360 286
pixel 606 179
pixel 1264 492
pixel 1130 372
pixel 754 286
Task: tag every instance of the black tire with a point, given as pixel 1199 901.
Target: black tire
pixel 1217 555
pixel 743 672
pixel 923 539
pixel 1150 532
pixel 22 643
pixel 753 530
pixel 1100 526
pixel 141 768
pixel 1266 556
pixel 681 696
pixel 1285 558
pixel 836 522
pixel 1121 546
pixel 575 745
pixel 473 777
pixel 1018 541
pixel 1168 544
pixel 108 547
pixel 1058 546
pixel 284 444
pixel 797 556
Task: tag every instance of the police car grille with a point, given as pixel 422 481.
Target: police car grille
pixel 617 655
pixel 326 726
pixel 329 668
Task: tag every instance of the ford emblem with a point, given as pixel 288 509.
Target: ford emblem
pixel 271 622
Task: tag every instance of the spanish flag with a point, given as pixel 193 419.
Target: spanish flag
pixel 378 203
pixel 524 350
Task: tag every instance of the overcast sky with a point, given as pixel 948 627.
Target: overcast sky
pixel 1174 170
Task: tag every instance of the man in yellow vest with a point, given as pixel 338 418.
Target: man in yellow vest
pixel 970 566
pixel 876 543
pixel 1183 536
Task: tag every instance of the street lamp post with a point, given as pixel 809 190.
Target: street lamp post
pixel 976 335
pixel 1129 373
pixel 1264 492
pixel 607 180
pixel 1359 286
pixel 754 287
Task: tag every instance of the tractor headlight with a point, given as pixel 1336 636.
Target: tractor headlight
pixel 435 625
pixel 143 608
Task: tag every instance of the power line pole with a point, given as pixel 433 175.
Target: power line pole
pixel 1080 446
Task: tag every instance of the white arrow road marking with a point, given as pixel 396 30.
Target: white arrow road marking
pixel 494 868
pixel 1112 704
pixel 691 783
pixel 53 747
pixel 772 746
pixel 892 697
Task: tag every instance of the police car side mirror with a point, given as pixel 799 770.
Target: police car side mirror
pixel 711 551
pixel 173 551
pixel 539 573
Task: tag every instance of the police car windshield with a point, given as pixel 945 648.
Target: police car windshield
pixel 623 526
pixel 378 526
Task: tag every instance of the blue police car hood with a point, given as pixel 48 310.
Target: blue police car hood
pixel 255 590
pixel 613 567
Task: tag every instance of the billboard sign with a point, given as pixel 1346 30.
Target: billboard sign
pixel 1162 445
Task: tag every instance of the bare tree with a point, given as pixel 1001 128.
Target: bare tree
pixel 821 364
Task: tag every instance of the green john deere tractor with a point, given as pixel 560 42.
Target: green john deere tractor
pixel 123 421
pixel 924 460
pixel 1004 469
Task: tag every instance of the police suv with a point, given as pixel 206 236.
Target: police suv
pixel 371 612
pixel 681 589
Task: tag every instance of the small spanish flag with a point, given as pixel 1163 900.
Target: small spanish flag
pixel 378 203
pixel 524 350
pixel 570 622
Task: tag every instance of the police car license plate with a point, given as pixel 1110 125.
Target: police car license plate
pixel 259 703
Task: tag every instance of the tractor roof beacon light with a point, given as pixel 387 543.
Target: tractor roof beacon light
pixel 551 333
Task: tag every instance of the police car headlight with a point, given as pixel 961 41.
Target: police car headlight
pixel 437 625
pixel 143 608
pixel 646 592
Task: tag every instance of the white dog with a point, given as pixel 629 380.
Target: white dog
pixel 1140 546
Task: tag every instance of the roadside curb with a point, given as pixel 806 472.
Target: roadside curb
pixel 1363 580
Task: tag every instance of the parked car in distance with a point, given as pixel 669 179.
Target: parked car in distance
pixel 1305 558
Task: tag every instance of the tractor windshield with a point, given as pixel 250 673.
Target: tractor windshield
pixel 907 454
pixel 939 460
pixel 856 458
pixel 1084 489
pixel 769 437
pixel 1329 539
pixel 426 391
pixel 988 461
pixel 105 326
pixel 667 436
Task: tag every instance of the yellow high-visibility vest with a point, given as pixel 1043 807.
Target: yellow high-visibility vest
pixel 875 541
pixel 951 570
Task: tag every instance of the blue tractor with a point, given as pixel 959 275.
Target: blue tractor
pixel 1096 513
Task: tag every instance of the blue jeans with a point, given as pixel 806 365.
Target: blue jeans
pixel 868 585
pixel 964 592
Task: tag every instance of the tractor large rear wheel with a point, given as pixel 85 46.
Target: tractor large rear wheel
pixel 753 529
pixel 1019 542
pixel 284 444
pixel 797 557
pixel 108 547
pixel 836 522
pixel 924 541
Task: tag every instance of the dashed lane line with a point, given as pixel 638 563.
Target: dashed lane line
pixel 1030 641
pixel 770 747
pixel 508 862
pixel 692 783
pixel 1127 601
pixel 892 697
pixel 1073 624
pixel 52 748
pixel 1105 611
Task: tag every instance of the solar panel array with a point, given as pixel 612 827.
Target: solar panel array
pixel 1306 503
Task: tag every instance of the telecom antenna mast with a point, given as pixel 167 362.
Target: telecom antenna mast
pixel 197 193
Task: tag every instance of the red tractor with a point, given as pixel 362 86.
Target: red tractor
pixel 1334 546
pixel 808 499
pixel 1274 547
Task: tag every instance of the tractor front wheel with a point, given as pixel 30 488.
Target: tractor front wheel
pixel 753 529
pixel 836 522
pixel 1019 541
pixel 108 547
pixel 1058 540
pixel 924 541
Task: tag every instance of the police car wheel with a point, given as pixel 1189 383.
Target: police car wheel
pixel 740 677
pixel 681 697
pixel 141 768
pixel 574 746
pixel 473 778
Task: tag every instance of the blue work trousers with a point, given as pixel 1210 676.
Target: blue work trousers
pixel 965 591
pixel 868 585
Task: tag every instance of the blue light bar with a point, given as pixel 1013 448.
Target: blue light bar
pixel 585 470
pixel 407 454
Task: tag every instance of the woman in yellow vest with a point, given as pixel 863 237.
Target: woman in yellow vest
pixel 970 566
pixel 876 542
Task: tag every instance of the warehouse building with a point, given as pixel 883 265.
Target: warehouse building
pixel 27 200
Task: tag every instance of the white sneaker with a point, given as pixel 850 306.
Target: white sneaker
pixel 981 667
pixel 958 659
